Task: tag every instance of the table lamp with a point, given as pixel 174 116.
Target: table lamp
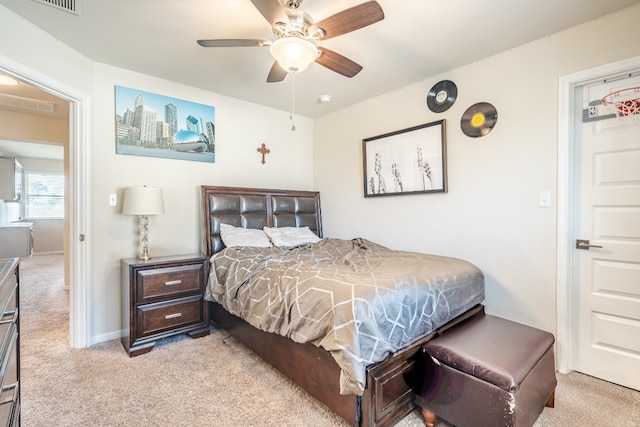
pixel 143 201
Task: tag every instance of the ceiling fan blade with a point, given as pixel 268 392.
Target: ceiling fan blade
pixel 338 63
pixel 271 10
pixel 350 19
pixel 234 42
pixel 277 73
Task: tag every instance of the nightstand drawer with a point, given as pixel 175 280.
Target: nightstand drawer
pixel 159 317
pixel 169 282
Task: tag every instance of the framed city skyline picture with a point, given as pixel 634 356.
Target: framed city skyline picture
pixel 152 125
pixel 408 161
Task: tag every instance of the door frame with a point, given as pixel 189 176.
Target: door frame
pixel 566 291
pixel 79 143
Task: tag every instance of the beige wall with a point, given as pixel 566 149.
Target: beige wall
pixel 32 127
pixel 48 236
pixel 490 215
pixel 47 60
pixel 241 127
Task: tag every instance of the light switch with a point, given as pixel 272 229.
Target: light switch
pixel 113 199
pixel 545 199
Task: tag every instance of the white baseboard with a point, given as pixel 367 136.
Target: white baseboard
pixel 97 339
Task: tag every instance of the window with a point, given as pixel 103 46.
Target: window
pixel 43 195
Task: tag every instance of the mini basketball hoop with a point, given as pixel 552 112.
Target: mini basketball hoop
pixel 626 102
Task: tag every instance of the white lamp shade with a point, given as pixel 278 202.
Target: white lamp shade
pixel 143 201
pixel 294 53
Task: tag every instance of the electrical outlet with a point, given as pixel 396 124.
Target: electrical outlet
pixel 113 199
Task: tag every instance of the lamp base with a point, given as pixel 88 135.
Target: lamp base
pixel 144 238
pixel 144 256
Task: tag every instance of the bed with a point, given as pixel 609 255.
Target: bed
pixel 380 391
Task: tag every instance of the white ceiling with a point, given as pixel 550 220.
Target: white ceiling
pixel 416 40
pixel 12 148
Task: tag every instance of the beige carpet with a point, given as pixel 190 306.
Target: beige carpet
pixel 210 381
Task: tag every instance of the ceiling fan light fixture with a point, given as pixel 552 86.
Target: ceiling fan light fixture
pixel 294 53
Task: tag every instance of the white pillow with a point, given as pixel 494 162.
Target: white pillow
pixel 288 237
pixel 237 236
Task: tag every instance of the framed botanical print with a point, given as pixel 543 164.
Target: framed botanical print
pixel 408 161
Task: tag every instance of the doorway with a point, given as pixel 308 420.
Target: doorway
pixel 77 155
pixel 594 281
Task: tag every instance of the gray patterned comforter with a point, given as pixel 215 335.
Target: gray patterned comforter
pixel 358 300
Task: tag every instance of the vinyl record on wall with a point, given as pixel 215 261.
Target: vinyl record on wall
pixel 479 119
pixel 442 96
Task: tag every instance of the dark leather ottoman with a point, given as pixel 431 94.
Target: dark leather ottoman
pixel 487 371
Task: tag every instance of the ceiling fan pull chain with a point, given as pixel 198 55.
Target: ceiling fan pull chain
pixel 293 93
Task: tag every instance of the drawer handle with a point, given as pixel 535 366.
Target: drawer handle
pixel 13 314
pixel 172 316
pixel 172 282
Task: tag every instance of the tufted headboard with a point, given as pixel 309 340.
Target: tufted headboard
pixel 255 208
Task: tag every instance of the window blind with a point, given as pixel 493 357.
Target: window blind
pixel 43 195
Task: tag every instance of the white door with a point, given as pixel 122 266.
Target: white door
pixel 607 215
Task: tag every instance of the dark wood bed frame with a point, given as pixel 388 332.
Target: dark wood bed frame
pixel 388 395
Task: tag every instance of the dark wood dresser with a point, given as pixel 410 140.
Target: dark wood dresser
pixel 9 342
pixel 162 297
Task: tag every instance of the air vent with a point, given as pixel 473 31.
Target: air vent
pixel 72 6
pixel 23 103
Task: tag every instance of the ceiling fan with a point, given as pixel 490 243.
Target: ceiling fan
pixel 296 45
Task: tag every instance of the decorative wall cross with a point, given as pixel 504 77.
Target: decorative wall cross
pixel 263 150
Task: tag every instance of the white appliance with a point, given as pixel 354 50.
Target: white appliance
pixel 16 239
pixel 13 211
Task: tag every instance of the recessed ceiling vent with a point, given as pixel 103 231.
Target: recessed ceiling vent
pixel 72 6
pixel 22 103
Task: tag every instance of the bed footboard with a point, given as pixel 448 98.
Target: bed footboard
pixel 389 393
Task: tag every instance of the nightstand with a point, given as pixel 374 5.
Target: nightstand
pixel 162 297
